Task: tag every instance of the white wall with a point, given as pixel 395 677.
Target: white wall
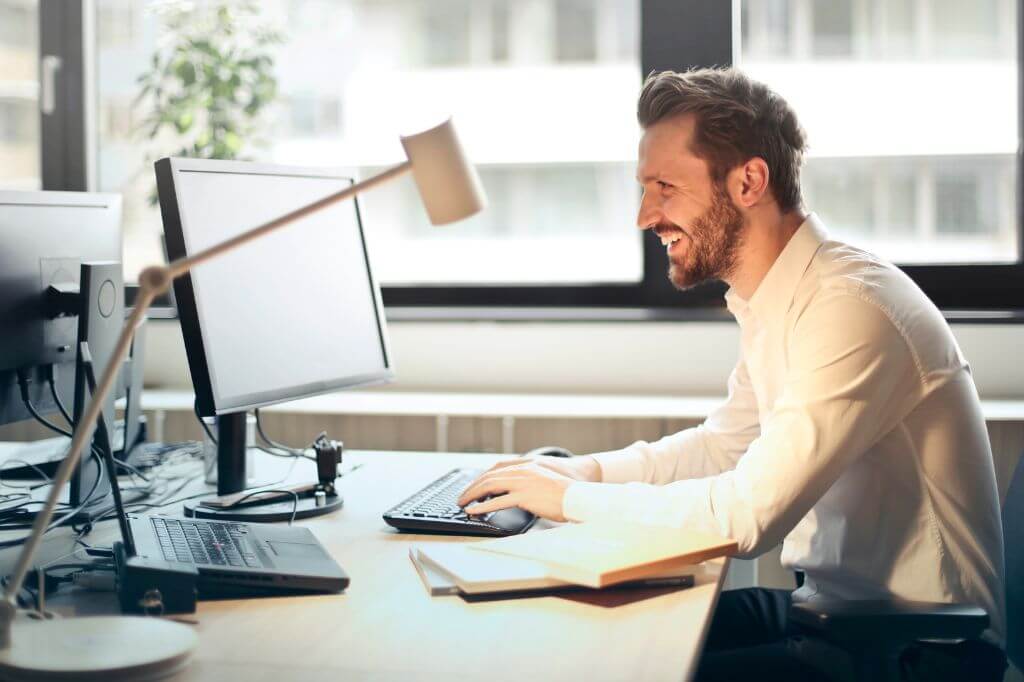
pixel 692 358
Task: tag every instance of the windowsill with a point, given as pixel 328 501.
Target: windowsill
pixel 593 314
pixel 496 405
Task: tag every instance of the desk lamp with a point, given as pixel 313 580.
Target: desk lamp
pixel 132 647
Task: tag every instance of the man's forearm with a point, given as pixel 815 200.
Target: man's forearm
pixel 589 469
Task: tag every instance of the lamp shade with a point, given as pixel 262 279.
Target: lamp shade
pixel 447 182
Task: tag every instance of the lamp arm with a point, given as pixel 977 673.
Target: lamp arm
pixel 153 281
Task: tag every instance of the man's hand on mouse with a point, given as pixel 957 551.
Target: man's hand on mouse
pixel 536 485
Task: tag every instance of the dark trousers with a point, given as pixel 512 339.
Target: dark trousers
pixel 751 637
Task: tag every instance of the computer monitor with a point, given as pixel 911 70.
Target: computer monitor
pixel 45 237
pixel 294 314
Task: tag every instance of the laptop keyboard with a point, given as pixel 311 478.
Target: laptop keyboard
pixel 202 542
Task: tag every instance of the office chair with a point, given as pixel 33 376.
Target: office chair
pixel 875 633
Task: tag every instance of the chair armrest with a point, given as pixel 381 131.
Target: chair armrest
pixel 892 621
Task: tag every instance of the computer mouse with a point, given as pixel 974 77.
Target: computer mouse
pixel 548 451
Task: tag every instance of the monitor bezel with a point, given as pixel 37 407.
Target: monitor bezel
pixel 167 173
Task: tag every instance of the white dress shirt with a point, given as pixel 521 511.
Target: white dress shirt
pixel 852 433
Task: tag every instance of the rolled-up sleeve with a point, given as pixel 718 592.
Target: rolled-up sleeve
pixel 851 377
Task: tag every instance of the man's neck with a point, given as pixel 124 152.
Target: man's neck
pixel 764 240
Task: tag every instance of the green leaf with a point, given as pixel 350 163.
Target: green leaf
pixel 232 142
pixel 186 71
pixel 184 121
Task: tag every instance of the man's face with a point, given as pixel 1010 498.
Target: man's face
pixel 695 218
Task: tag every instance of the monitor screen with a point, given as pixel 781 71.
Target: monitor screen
pixel 292 314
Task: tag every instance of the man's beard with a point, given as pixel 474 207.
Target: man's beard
pixel 715 240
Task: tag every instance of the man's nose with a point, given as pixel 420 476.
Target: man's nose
pixel 649 213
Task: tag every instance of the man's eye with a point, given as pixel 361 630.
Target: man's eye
pixel 663 184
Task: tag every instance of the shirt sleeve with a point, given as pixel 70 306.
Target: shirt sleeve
pixel 710 448
pixel 851 378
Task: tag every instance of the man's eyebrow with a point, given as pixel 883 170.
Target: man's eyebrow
pixel 645 179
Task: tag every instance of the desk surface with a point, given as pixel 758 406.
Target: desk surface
pixel 386 627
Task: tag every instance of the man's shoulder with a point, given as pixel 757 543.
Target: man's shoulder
pixel 856 285
pixel 843 270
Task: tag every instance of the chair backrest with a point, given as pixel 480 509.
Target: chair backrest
pixel 1013 537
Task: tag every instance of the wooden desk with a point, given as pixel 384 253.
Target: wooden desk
pixel 386 627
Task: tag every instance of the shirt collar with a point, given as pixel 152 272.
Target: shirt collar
pixel 775 292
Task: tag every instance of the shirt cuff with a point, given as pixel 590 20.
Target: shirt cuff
pixel 620 466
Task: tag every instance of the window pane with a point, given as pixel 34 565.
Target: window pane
pixel 576 33
pixel 543 93
pixel 19 94
pixel 910 108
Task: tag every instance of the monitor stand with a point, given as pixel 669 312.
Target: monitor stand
pixel 231 447
pixel 100 307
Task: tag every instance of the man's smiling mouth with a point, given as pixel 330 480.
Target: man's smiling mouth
pixel 670 236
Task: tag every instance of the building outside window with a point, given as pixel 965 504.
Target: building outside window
pixel 546 115
pixel 19 94
pixel 912 119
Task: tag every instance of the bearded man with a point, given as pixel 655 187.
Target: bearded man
pixel 852 432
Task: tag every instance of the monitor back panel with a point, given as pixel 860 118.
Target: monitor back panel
pixel 44 238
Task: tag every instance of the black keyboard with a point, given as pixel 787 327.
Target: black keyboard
pixel 202 542
pixel 435 509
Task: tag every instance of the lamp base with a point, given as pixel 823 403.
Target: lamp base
pixel 108 648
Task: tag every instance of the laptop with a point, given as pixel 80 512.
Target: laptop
pixel 229 559
pixel 235 559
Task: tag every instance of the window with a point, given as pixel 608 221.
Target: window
pixel 912 119
pixel 19 95
pixel 576 30
pixel 911 106
pixel 548 119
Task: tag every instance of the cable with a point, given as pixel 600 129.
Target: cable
pixel 206 427
pixel 59 521
pixel 88 498
pixel 295 452
pixel 21 462
pixel 295 500
pixel 286 455
pixel 169 499
pixel 23 385
pixel 52 378
pixel 40 580
pixel 132 470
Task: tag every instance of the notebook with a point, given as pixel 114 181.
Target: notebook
pixel 435 582
pixel 598 554
pixel 474 572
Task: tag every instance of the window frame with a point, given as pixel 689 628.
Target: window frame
pixel 674 34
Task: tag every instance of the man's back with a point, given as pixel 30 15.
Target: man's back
pixel 917 514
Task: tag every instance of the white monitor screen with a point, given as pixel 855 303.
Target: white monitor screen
pixel 293 313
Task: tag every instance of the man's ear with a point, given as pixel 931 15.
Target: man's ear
pixel 748 183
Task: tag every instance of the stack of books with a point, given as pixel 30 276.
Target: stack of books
pixel 576 556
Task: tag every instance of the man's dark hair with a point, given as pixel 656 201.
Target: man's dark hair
pixel 736 119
